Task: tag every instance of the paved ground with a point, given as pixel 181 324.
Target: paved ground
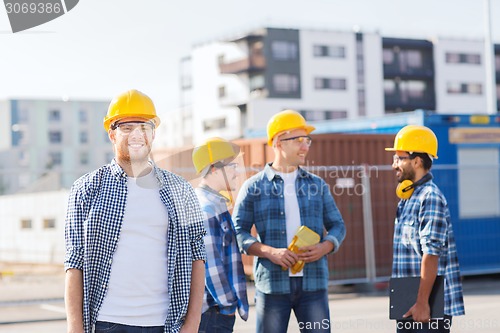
pixel 31 301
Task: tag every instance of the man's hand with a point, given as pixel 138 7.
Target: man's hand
pixel 420 312
pixel 283 257
pixel 315 252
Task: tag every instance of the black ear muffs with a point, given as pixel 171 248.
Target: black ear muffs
pixel 406 187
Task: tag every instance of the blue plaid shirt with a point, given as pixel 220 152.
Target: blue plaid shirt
pixel 261 203
pixel 225 281
pixel 423 225
pixel 95 213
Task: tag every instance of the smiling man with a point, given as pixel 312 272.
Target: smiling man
pixel 278 201
pixel 424 245
pixel 134 236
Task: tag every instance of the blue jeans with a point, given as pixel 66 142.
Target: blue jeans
pixel 214 322
pixel 105 327
pixel 435 326
pixel 310 308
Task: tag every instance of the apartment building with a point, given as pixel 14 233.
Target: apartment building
pixel 231 88
pixel 48 144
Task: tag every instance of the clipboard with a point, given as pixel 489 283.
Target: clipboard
pixel 403 294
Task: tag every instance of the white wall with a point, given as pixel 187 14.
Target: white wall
pixel 206 82
pixel 462 73
pixel 374 76
pixel 5 125
pixel 35 245
pixel 327 67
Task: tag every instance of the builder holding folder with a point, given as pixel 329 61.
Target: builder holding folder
pixel 424 245
pixel 278 201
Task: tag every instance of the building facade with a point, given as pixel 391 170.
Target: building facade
pixel 36 234
pixel 231 88
pixel 48 144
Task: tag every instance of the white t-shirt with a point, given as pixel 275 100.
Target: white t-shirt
pixel 292 210
pixel 138 290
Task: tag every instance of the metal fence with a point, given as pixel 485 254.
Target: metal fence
pixel 364 193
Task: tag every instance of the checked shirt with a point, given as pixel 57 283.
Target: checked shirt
pixel 225 280
pixel 261 203
pixel 423 225
pixel 94 217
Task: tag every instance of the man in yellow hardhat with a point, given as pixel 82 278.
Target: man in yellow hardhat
pixel 424 245
pixel 134 236
pixel 225 280
pixel 278 201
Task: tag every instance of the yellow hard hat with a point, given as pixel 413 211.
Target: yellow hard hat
pixel 286 120
pixel 132 103
pixel 416 139
pixel 213 151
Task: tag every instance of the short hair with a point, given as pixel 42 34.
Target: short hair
pixel 426 159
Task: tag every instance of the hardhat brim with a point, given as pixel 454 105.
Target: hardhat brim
pixel 108 122
pixel 307 128
pixel 394 149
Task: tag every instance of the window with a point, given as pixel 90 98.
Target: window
pixel 330 83
pixel 388 56
pixel 54 115
pixel 26 224
pixel 222 91
pixel 463 58
pixel 257 82
pixel 84 137
pixel 412 89
pixel 332 51
pixel 484 203
pixel 211 124
pixel 473 59
pixel 335 115
pixel 285 83
pixel 82 116
pixel 284 50
pixel 464 88
pixel 313 115
pixel 414 58
pixel 452 58
pixel 23 158
pixel 389 87
pixel 22 115
pixel 474 89
pixel 55 137
pixel 55 158
pixel 84 158
pixel 49 223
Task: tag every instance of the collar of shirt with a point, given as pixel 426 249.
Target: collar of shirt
pixel 120 175
pixel 214 194
pixel 270 173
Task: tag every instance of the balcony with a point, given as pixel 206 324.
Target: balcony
pixel 252 64
pixel 408 72
pixel 406 102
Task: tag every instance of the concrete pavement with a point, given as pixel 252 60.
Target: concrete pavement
pixel 33 303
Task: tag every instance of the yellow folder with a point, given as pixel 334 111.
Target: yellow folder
pixel 303 237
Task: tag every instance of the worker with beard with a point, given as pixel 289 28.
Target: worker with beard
pixel 424 245
pixel 134 236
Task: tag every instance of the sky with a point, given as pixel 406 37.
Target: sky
pixel 104 47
